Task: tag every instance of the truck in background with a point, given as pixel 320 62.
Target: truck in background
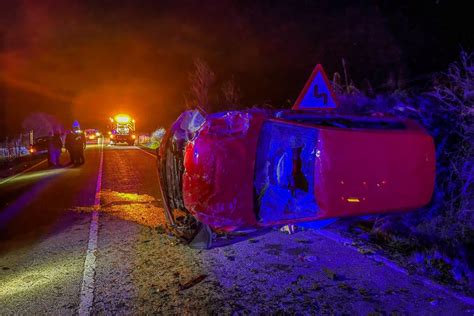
pixel 122 129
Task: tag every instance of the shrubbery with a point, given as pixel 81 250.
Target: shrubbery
pixel 156 137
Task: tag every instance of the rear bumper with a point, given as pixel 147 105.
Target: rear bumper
pixel 122 139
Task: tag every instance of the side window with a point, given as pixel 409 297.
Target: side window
pixel 284 172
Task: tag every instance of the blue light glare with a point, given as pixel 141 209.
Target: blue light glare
pixel 284 176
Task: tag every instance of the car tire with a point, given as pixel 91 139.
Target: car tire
pixel 181 223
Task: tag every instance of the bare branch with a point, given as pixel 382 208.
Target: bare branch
pixel 231 93
pixel 201 79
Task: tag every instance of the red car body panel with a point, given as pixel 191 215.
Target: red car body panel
pixel 218 177
pixel 367 172
pixel 356 171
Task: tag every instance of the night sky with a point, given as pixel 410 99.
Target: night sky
pixel 87 60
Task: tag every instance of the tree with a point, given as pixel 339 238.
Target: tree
pixel 201 79
pixel 41 124
pixel 231 93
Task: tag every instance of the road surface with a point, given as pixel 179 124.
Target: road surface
pixel 91 240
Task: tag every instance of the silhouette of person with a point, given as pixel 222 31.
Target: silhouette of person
pixel 78 146
pixel 69 146
pixel 54 149
pixel 75 144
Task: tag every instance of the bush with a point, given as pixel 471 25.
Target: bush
pixel 156 137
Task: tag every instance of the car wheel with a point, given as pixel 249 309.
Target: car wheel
pixel 180 221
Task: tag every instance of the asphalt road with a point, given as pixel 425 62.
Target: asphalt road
pixel 90 240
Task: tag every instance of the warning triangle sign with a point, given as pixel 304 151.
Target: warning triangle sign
pixel 317 93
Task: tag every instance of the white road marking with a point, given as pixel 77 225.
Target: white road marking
pixel 146 152
pixel 24 171
pixel 87 289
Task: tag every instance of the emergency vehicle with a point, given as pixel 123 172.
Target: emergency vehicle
pixel 92 135
pixel 122 129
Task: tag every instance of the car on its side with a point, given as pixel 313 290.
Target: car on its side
pixel 241 170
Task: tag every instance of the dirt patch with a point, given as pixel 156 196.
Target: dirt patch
pixel 139 208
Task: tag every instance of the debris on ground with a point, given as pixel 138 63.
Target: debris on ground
pixel 289 229
pixel 193 282
pixel 330 274
pixel 139 208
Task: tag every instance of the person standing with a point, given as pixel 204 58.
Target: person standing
pixel 57 147
pixel 54 149
pixel 75 144
pixel 69 146
pixel 78 146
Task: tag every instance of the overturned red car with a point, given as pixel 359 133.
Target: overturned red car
pixel 240 170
